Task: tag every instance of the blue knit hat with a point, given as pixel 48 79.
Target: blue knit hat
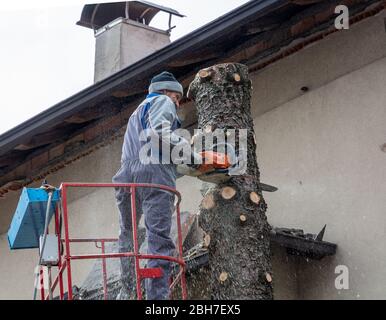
pixel 165 81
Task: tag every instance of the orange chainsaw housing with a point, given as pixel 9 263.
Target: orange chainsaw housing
pixel 213 160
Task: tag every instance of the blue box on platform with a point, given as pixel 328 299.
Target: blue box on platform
pixel 28 221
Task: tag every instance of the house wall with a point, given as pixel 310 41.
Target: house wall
pixel 320 148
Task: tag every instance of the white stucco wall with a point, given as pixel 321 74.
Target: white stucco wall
pixel 323 152
pixel 321 149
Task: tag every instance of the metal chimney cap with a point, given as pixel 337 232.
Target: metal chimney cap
pixel 97 15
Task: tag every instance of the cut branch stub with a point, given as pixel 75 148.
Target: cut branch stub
pixel 223 277
pixel 206 240
pixel 268 277
pixel 255 198
pixel 243 218
pixel 228 193
pixel 208 202
pixel 205 75
pixel 208 129
pixel 234 78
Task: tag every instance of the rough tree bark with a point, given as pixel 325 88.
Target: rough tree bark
pixel 232 214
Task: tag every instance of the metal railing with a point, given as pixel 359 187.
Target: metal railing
pixel 66 258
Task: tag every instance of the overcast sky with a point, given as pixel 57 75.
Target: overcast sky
pixel 45 57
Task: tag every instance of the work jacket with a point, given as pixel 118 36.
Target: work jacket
pixel 150 135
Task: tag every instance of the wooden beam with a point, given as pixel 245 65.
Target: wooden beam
pixel 45 138
pixel 11 158
pixel 197 57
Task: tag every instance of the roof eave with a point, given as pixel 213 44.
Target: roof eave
pixel 75 103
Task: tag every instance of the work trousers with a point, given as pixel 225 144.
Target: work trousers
pixel 157 206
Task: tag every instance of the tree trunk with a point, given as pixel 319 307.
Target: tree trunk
pixel 232 213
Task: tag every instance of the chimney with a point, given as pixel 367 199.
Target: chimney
pixel 123 34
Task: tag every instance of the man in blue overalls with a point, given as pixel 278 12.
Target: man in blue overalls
pixel 157 116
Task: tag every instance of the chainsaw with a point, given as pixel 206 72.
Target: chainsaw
pixel 218 167
pixel 215 166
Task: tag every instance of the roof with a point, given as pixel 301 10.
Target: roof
pixel 257 33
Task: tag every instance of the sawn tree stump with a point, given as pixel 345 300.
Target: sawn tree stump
pixel 233 213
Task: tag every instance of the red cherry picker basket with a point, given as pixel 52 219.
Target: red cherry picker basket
pixel 66 259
